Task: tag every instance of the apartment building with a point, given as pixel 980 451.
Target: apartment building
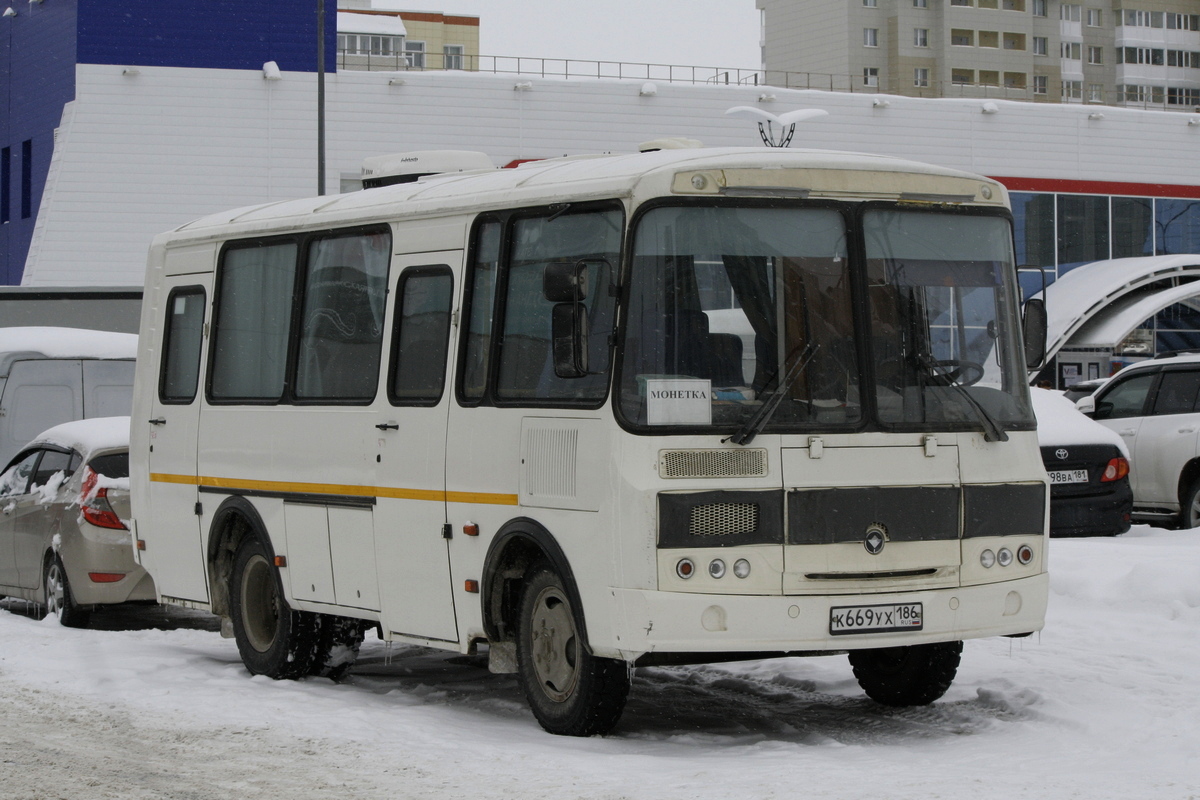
pixel 377 35
pixel 1141 53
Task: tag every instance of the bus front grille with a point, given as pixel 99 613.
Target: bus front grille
pixel 712 463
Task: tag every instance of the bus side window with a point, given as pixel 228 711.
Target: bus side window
pixel 480 303
pixel 422 336
pixel 181 348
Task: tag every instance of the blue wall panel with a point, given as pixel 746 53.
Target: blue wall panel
pixel 213 34
pixel 37 76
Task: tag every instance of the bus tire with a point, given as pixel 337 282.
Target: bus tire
pixel 337 650
pixel 571 691
pixel 907 676
pixel 272 638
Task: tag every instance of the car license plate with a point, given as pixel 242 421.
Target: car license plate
pixel 1069 476
pixel 875 619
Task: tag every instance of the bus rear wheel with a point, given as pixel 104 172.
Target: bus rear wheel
pixel 571 692
pixel 272 638
pixel 907 676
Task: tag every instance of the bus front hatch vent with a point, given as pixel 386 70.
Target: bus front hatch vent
pixel 723 519
pixel 730 463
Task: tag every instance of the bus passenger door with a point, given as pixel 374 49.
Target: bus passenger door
pixel 174 555
pixel 412 551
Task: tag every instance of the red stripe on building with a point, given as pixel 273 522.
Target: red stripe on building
pixel 1098 187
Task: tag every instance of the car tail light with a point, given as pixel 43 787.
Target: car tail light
pixel 1116 469
pixel 93 502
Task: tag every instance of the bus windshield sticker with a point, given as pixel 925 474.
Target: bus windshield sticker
pixel 678 401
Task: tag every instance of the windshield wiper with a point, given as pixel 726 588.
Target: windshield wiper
pixel 992 432
pixel 757 422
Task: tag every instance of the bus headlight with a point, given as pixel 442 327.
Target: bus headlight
pixel 741 568
pixel 685 568
pixel 987 558
pixel 716 568
pixel 1004 557
pixel 1024 554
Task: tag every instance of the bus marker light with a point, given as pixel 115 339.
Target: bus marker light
pixel 471 586
pixel 281 561
pixel 1024 554
pixel 716 568
pixel 685 568
pixel 987 558
pixel 741 568
pixel 141 544
pixel 1004 557
pixel 471 529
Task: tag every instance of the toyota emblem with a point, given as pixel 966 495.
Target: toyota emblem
pixel 1061 453
pixel 876 537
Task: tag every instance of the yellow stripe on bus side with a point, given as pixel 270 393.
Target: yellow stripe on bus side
pixel 484 498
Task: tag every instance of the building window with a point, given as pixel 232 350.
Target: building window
pixel 452 56
pixel 1013 5
pixel 1014 80
pixel 962 76
pixel 989 77
pixel 1072 51
pixel 5 184
pixel 920 3
pixel 1039 8
pixel 414 52
pixel 1095 55
pixel 1094 18
pixel 1040 46
pixel 1039 84
pixel 921 37
pixel 1182 22
pixel 870 3
pixel 1140 55
pixel 962 38
pixel 1069 13
pixel 921 77
pixel 988 3
pixel 870 76
pixel 989 39
pixel 27 179
pixel 960 2
pixel 870 37
pixel 1072 90
pixel 1183 97
pixel 354 44
pixel 1095 93
pixel 1014 41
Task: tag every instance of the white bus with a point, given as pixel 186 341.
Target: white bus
pixel 599 413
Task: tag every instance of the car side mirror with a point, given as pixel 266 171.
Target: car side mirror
pixel 1086 405
pixel 569 330
pixel 1033 329
pixel 565 281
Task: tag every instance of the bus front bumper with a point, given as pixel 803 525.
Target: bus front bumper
pixel 676 622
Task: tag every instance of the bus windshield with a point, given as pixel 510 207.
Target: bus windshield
pixel 732 307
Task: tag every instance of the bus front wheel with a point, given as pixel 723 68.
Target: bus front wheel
pixel 571 692
pixel 272 638
pixel 907 676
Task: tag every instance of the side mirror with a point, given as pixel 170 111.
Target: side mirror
pixel 569 329
pixel 565 281
pixel 1033 329
pixel 1086 405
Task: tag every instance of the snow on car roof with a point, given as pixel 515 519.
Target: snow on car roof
pixel 1060 424
pixel 66 343
pixel 88 435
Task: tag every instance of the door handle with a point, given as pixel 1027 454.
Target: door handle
pixel 158 421
pixel 1187 430
pixel 1128 432
pixel 388 426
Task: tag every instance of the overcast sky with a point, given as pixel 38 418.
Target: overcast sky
pixel 718 33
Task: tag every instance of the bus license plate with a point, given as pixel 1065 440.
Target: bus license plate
pixel 1069 476
pixel 875 619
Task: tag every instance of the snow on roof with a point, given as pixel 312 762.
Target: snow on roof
pixel 379 24
pixel 67 343
pixel 1060 424
pixel 88 435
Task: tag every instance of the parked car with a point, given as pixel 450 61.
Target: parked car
pixel 1153 406
pixel 54 375
pixel 1083 388
pixel 1088 465
pixel 64 499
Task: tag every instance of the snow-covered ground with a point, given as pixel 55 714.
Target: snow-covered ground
pixel 1103 704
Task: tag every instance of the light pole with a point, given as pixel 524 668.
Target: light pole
pixel 320 97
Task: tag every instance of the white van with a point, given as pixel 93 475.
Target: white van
pixel 53 375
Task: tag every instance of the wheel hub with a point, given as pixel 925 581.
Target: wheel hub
pixel 554 645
